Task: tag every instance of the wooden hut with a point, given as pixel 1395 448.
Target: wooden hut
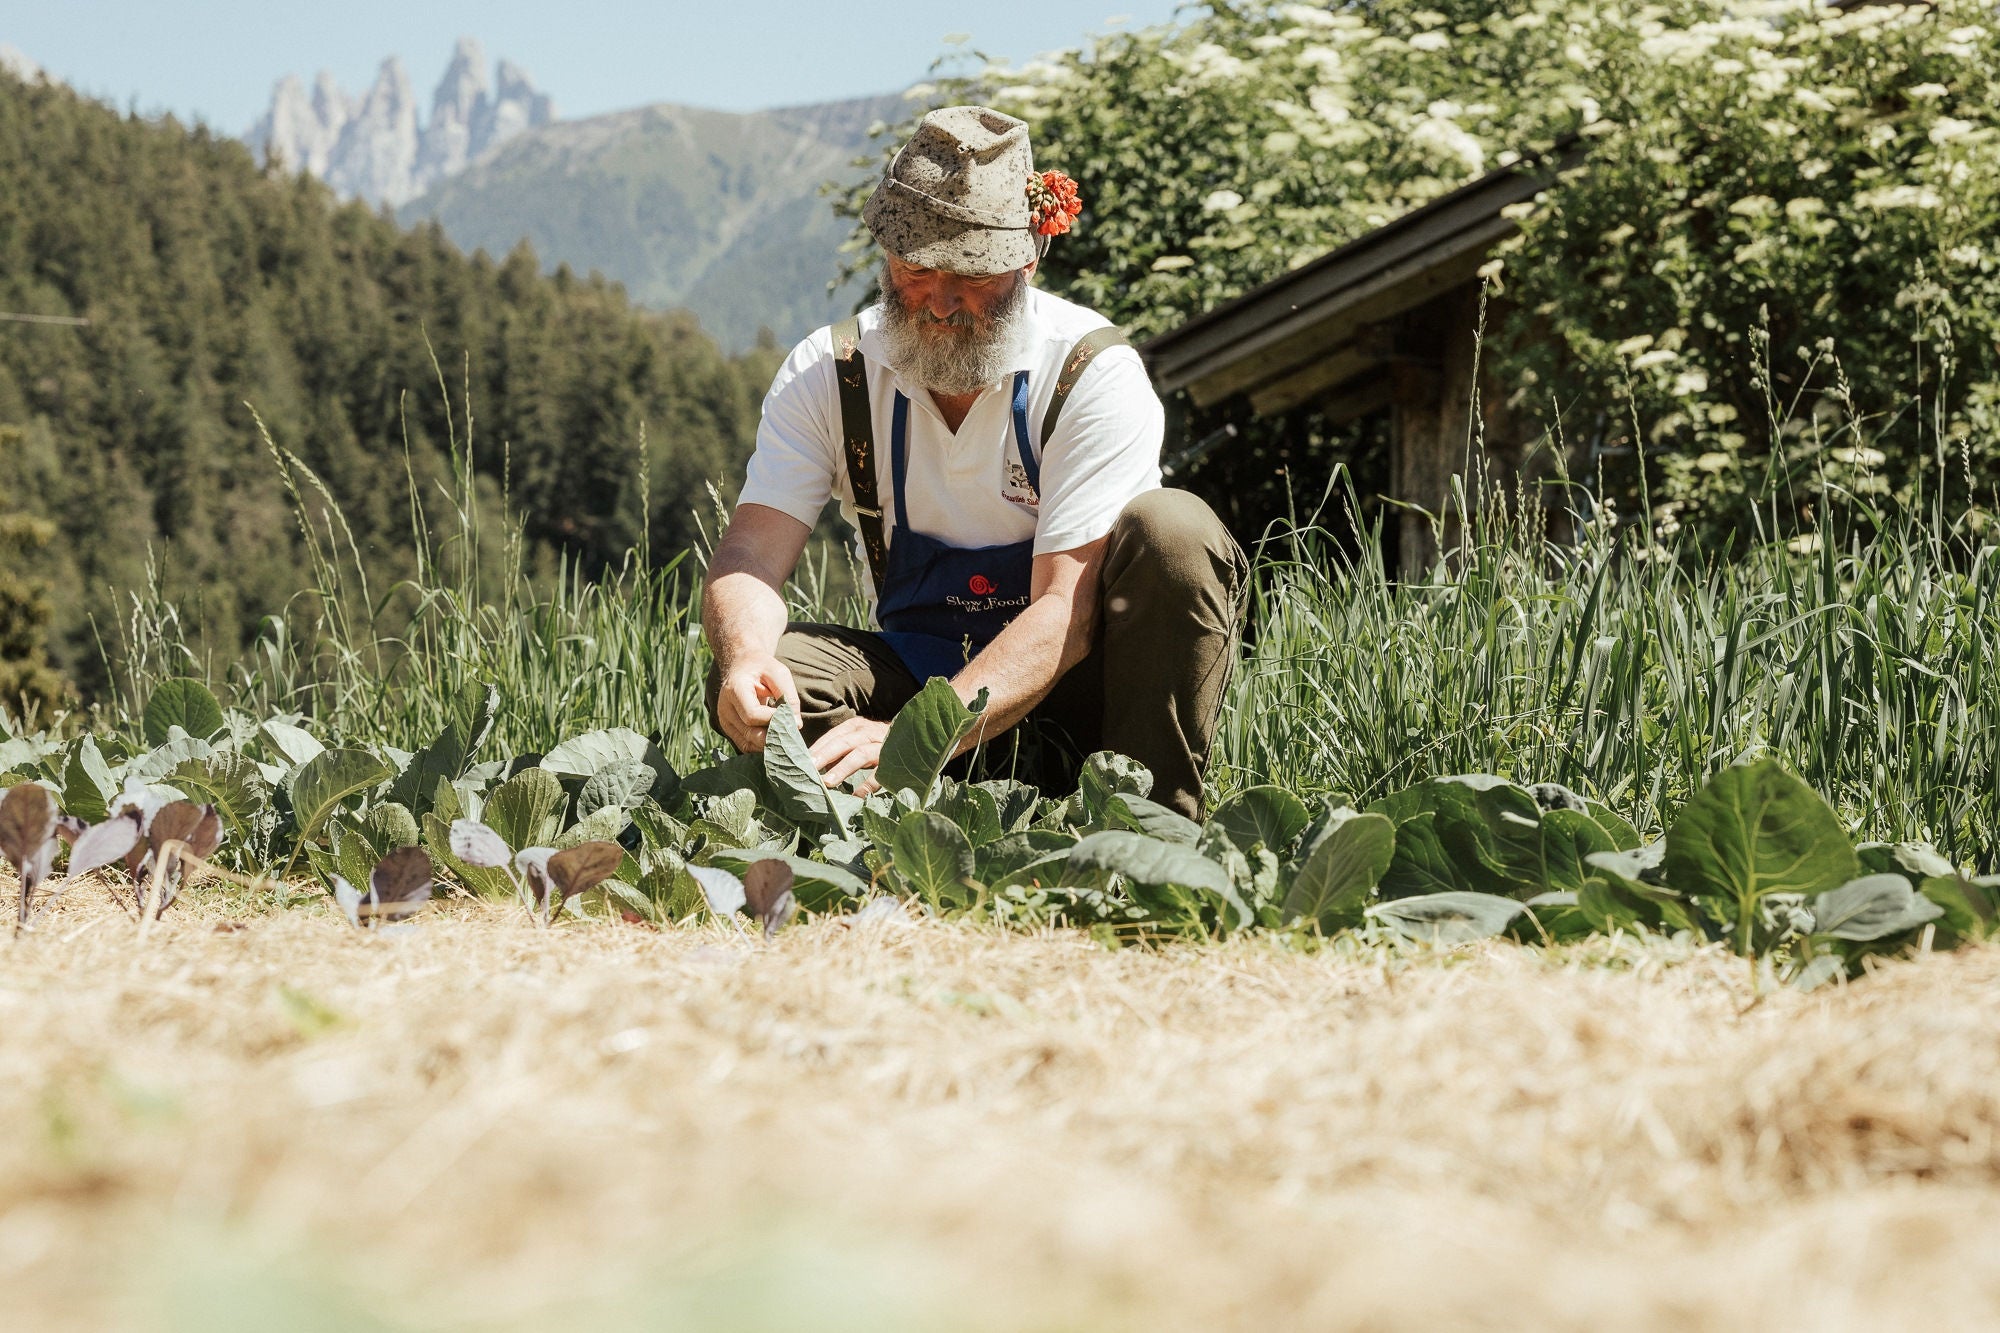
pixel 1386 323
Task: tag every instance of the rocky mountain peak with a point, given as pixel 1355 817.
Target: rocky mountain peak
pixel 457 108
pixel 330 102
pixel 464 82
pixel 374 147
pixel 516 106
pixel 297 121
pixel 376 156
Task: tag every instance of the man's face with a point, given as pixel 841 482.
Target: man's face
pixel 953 300
pixel 952 332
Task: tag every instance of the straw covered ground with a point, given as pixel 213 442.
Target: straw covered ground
pixel 276 1121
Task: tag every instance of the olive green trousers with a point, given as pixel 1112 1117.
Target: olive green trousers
pixel 1172 593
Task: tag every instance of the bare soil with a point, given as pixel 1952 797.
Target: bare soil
pixel 280 1122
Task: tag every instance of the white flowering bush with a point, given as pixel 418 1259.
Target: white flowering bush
pixel 1780 255
pixel 1790 253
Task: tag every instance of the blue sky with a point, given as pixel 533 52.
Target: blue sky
pixel 217 60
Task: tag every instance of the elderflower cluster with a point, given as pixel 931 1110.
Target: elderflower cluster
pixel 1899 196
pixel 1442 136
pixel 1211 63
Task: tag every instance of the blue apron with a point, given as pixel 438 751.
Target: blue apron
pixel 941 604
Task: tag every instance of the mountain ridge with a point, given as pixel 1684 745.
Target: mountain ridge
pixel 719 212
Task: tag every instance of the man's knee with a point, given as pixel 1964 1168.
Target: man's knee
pixel 841 673
pixel 1175 535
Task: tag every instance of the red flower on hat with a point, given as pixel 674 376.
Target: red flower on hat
pixel 1052 203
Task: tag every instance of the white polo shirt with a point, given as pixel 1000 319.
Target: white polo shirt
pixel 967 489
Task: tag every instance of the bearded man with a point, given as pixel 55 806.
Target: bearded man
pixel 1014 530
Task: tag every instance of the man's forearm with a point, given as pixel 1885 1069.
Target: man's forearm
pixel 1021 666
pixel 742 615
pixel 743 605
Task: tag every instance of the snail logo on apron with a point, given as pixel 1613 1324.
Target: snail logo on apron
pixel 982 599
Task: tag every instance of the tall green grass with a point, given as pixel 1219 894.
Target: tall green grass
pixel 1622 670
pixel 1631 673
pixel 570 649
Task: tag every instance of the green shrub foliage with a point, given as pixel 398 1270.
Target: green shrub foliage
pixel 1787 252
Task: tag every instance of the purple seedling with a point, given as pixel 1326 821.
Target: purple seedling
pixel 180 831
pixel 92 847
pixel 543 878
pixel 765 890
pixel 398 888
pixel 28 838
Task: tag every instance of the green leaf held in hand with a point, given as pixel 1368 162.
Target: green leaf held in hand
pixel 791 776
pixel 924 737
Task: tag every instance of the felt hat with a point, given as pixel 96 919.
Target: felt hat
pixel 955 197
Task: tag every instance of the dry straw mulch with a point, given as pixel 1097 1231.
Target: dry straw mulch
pixel 483 1125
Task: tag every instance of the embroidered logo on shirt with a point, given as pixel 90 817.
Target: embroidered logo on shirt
pixel 1019 490
pixel 982 585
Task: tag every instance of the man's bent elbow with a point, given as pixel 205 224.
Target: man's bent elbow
pixel 1078 643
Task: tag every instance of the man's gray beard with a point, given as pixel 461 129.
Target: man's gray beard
pixel 962 354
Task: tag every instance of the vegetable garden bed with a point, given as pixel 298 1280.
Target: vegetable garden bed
pixel 603 826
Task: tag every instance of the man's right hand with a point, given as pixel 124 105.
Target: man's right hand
pixel 751 692
pixel 743 616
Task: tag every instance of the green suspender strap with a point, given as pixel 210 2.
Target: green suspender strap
pixel 857 430
pixel 1081 354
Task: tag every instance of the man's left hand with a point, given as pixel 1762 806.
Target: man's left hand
pixel 847 749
